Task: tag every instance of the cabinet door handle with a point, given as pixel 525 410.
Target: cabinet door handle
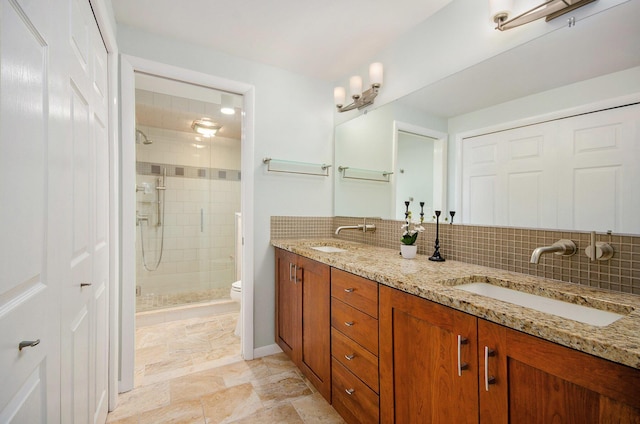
pixel 349 323
pixel 350 357
pixel 85 284
pixel 291 275
pixel 28 343
pixel 487 378
pixel 350 391
pixel 461 365
pixel 349 290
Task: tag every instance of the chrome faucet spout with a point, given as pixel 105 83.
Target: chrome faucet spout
pixel 561 247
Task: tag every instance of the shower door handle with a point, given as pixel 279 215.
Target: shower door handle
pixel 201 220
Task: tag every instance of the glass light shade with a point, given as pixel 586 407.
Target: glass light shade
pixel 226 106
pixel 205 127
pixel 375 73
pixel 355 85
pixel 339 95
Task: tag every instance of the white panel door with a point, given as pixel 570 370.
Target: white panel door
pixel 575 173
pixel 84 326
pixel 29 282
pixel 600 171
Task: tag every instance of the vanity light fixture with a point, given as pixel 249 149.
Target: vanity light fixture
pixel 205 127
pixel 549 9
pixel 360 98
pixel 227 105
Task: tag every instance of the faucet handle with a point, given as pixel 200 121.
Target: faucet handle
pixel 598 250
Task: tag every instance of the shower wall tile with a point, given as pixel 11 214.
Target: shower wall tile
pixel 194 259
pixel 506 248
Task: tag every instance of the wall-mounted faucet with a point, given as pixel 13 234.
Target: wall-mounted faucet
pixel 364 227
pixel 562 247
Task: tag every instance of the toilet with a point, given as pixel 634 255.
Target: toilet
pixel 236 287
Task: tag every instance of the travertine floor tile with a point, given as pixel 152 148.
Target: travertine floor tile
pixel 196 385
pixel 185 412
pixel 280 387
pixel 315 409
pixel 141 399
pixel 284 413
pixel 231 404
pixel 191 371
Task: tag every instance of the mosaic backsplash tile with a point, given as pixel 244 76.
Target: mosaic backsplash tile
pixel 504 248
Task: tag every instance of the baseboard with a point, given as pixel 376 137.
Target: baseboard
pixel 266 351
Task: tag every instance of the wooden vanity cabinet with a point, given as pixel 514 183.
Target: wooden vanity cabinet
pixel 302 316
pixel 429 373
pixel 428 361
pixel 354 347
pixel 530 380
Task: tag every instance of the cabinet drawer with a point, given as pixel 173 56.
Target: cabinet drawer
pixel 356 291
pixel 355 324
pixel 352 398
pixel 355 358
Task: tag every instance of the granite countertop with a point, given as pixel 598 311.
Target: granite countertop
pixel 618 342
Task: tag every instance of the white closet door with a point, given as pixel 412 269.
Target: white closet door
pixel 599 171
pixel 575 173
pixel 84 296
pixel 29 280
pixel 507 178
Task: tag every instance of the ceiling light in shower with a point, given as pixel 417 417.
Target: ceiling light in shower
pixel 205 127
pixel 227 105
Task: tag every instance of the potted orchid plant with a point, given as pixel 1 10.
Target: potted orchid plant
pixel 408 247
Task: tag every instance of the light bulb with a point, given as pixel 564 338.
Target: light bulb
pixel 339 95
pixel 355 85
pixel 375 73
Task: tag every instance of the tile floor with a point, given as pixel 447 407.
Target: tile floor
pixel 190 371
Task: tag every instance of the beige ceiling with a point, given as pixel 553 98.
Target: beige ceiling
pixel 322 39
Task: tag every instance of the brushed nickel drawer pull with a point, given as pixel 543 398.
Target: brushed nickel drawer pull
pixel 350 357
pixel 461 365
pixel 349 290
pixel 350 391
pixel 488 379
pixel 349 323
pixel 28 343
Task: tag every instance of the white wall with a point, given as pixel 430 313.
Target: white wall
pixel 293 120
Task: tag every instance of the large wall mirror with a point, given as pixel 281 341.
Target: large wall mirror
pixel 570 71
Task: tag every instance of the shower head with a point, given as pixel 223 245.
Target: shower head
pixel 142 138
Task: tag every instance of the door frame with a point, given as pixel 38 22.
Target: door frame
pixel 129 65
pixel 440 158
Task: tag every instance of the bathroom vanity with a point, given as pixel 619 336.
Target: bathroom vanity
pixel 406 344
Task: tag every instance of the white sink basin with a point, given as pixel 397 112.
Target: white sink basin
pixel 584 314
pixel 328 249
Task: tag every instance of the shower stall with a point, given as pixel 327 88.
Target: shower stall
pixel 187 194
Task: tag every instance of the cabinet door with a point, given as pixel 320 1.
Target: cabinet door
pixel 287 304
pixel 316 330
pixel 428 362
pixel 537 381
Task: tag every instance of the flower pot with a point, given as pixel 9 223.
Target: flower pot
pixel 408 251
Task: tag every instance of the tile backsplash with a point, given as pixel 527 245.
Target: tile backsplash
pixel 505 248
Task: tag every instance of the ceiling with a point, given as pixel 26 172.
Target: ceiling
pixel 174 105
pixel 322 39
